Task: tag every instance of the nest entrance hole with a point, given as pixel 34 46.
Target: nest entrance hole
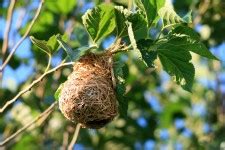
pixel 98 123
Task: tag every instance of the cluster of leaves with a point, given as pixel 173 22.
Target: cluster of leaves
pixel 173 49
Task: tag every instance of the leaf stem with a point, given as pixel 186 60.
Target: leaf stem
pixel 49 62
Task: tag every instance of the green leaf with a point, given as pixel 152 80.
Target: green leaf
pixel 170 17
pixel 41 44
pixel 139 25
pixel 58 92
pixel 74 55
pixel 137 29
pixel 121 19
pixel 120 88
pixel 49 46
pixel 61 6
pixel 99 21
pixel 148 55
pixel 150 8
pixel 182 71
pixel 187 39
pixel 175 61
pixel 174 54
pixel 52 43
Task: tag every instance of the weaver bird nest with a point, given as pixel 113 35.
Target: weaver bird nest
pixel 88 95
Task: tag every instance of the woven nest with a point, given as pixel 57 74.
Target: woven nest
pixel 88 96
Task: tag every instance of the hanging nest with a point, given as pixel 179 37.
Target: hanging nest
pixel 88 96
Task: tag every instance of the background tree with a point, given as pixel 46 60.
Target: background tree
pixel 160 113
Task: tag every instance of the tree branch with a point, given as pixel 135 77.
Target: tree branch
pixel 7 28
pixel 76 133
pixel 33 84
pixel 6 33
pixel 23 38
pixel 45 114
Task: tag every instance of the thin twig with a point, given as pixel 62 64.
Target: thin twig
pixel 6 33
pixel 46 113
pixel 76 133
pixel 23 38
pixel 7 28
pixel 33 84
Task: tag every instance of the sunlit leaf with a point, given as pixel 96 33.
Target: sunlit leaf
pixel 186 38
pixel 74 55
pixel 175 62
pixel 121 18
pixel 170 17
pixel 99 21
pixel 174 54
pixel 49 46
pixel 41 44
pixel 58 92
pixel 150 8
pixel 139 25
pixel 53 44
